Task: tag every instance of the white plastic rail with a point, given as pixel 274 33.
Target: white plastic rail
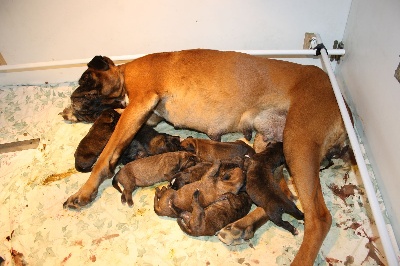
pixel 80 62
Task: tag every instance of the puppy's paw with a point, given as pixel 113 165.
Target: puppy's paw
pixel 127 198
pixel 160 192
pixel 68 115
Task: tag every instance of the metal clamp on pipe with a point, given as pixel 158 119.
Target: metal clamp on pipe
pixel 318 49
pixel 337 45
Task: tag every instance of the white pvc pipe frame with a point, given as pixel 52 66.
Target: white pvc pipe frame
pixel 383 232
pixel 369 188
pixel 77 62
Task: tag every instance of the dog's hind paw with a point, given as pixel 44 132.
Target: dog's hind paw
pixel 232 235
pixel 228 240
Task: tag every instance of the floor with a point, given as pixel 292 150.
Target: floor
pixel 36 230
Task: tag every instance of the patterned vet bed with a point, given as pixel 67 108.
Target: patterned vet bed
pixel 36 229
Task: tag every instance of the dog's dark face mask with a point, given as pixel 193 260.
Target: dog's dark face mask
pixel 100 88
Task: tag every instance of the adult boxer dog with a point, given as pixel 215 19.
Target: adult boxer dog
pixel 219 92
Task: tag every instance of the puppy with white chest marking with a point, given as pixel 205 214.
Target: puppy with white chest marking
pixel 217 92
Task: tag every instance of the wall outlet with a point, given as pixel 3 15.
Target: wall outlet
pixel 2 60
pixel 307 40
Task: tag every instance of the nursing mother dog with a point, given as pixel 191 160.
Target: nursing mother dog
pixel 219 92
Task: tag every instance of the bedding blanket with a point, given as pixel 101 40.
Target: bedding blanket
pixel 35 229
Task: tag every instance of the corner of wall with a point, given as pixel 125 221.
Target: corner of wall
pixel 386 204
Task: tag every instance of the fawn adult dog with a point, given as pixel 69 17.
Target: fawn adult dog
pixel 219 92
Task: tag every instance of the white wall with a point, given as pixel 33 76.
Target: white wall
pixel 48 30
pixel 372 43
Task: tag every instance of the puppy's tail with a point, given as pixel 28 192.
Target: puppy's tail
pixel 114 183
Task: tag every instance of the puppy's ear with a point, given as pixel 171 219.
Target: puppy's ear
pixel 190 148
pixel 99 63
pixel 174 141
pixel 107 116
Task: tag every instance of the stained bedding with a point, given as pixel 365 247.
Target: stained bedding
pixel 34 227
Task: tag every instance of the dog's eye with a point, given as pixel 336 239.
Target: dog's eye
pixel 226 177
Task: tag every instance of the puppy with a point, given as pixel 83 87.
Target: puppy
pixel 146 142
pixel 189 175
pixel 207 221
pixel 91 146
pixel 195 173
pixel 279 100
pixel 210 150
pixel 266 192
pixel 213 184
pixel 344 153
pixel 150 170
pixel 149 142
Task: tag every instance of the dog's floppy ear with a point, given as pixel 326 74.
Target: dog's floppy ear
pixel 99 63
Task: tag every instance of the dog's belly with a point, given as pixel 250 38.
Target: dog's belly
pixel 215 118
pixel 270 123
pixel 208 121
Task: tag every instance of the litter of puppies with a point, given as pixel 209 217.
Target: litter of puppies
pixel 211 185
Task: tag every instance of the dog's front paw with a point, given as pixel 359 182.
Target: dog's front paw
pixel 79 199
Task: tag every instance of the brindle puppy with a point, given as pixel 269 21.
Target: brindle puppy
pixel 195 173
pixel 189 175
pixel 211 151
pixel 151 170
pixel 90 147
pixel 266 192
pixel 209 220
pixel 147 142
pixel 345 153
pixel 213 184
